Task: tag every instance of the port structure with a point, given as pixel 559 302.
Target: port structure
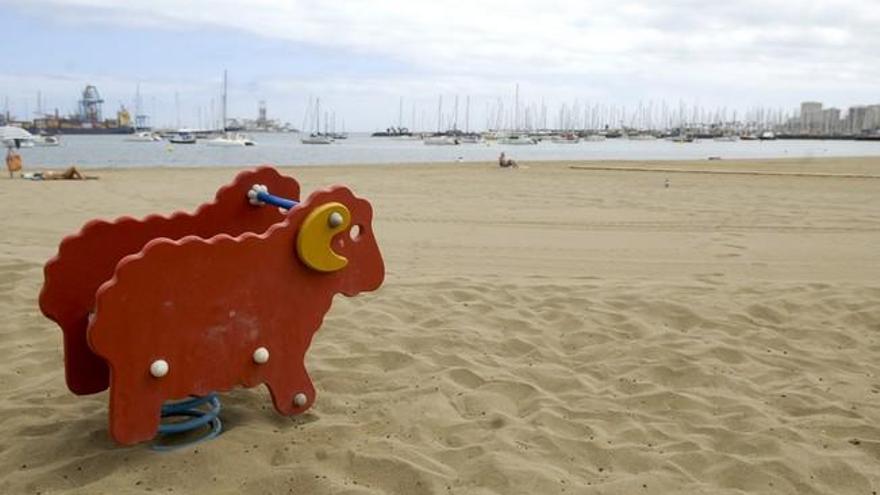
pixel 90 105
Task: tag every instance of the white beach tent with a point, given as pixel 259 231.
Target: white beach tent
pixel 13 137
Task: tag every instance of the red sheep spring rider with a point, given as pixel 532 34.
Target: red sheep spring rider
pixel 172 307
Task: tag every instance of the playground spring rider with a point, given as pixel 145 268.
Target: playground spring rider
pixel 167 308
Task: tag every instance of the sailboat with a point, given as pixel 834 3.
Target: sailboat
pixel 641 136
pixel 316 137
pixel 565 138
pixel 469 137
pixel 228 139
pixel 141 133
pixel 517 139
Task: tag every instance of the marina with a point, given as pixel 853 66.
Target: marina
pixel 286 149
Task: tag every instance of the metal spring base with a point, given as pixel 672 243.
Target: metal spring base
pixel 198 419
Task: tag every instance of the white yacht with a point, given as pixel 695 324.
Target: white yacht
pixel 47 141
pixel 182 138
pixel 143 137
pixel 317 139
pixel 231 140
pixel 470 139
pixel 441 141
pixel 517 140
pixel 16 137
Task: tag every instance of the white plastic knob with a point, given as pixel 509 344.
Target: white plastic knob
pixel 300 399
pixel 159 368
pixel 261 355
pixel 335 219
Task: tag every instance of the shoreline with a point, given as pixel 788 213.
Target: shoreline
pixel 623 165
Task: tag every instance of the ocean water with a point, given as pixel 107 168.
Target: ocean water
pixel 286 149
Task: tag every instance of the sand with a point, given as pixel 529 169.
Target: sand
pixel 543 330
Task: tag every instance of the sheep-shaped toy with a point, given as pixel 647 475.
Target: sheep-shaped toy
pixel 189 304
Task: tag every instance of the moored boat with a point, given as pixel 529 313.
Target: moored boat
pixel 143 137
pixel 517 140
pixel 317 139
pixel 231 140
pixel 470 139
pixel 442 141
pixel 47 141
pixel 183 138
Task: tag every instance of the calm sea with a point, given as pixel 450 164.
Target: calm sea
pixel 286 149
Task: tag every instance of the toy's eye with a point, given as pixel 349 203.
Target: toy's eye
pixel 315 244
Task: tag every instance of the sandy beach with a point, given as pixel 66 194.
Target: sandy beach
pixel 560 328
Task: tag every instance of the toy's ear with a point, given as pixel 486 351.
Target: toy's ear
pixel 313 244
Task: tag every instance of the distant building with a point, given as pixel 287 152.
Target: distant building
pixel 856 119
pixel 831 121
pixel 811 117
pixel 872 119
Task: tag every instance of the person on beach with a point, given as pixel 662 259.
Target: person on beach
pixel 70 173
pixel 13 161
pixel 505 162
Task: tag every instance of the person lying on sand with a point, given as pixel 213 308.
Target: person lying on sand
pixel 71 173
pixel 504 162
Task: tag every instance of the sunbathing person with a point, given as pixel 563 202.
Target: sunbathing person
pixel 504 162
pixel 70 173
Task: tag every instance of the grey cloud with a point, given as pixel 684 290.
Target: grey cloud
pixel 692 47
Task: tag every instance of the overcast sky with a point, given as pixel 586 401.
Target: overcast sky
pixel 361 57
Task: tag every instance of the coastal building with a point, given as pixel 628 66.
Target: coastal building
pixel 831 121
pixel 872 119
pixel 811 117
pixel 856 119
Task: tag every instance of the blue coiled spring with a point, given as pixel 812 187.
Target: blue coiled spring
pixel 198 419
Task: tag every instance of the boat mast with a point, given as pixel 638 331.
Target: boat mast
pixel 455 115
pixel 440 114
pixel 223 123
pixel 137 104
pixel 467 114
pixel 516 109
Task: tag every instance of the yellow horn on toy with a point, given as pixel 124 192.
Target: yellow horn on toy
pixel 318 229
